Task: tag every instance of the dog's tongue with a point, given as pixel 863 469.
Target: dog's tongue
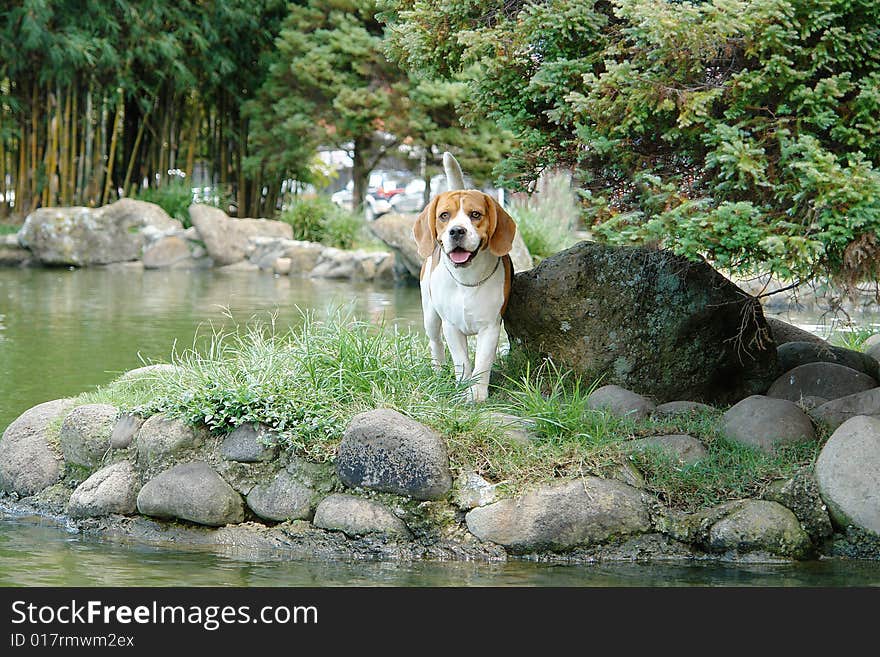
pixel 459 256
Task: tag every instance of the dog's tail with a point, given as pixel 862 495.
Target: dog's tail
pixel 454 176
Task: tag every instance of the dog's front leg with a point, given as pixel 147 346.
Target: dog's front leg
pixel 458 349
pixel 487 344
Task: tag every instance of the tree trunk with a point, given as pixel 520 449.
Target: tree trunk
pixel 360 174
pixel 111 157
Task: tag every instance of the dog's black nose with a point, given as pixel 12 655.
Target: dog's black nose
pixel 457 232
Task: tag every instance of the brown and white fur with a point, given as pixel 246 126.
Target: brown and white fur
pixel 465 237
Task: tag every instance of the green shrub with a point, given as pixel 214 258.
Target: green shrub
pixel 8 229
pixel 318 219
pixel 174 197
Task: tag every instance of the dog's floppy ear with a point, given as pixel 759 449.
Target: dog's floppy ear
pixel 502 227
pixel 424 231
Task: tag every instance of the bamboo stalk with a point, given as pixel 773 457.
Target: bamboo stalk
pixel 108 180
pixel 64 160
pixel 71 183
pixel 126 185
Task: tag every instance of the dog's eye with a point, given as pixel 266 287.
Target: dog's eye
pixel 476 214
pixel 444 216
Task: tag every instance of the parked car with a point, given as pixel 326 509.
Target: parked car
pixel 382 190
pixel 412 199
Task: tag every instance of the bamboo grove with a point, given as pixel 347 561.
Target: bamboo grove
pixel 98 99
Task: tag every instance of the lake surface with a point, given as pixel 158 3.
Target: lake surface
pixel 64 331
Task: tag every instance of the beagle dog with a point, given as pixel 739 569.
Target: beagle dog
pixel 465 237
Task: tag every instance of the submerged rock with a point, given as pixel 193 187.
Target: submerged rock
pixel 85 433
pixel 385 451
pixel 620 402
pixel 760 525
pixel 827 380
pixel 191 491
pixel 646 320
pixel 113 489
pixel 355 516
pixel 848 473
pixel 767 423
pixel 29 460
pixel 562 516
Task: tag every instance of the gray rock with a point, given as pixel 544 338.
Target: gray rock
pixel 113 489
pixel 761 525
pixel 784 332
pixel 12 254
pixel 562 516
pixel 644 319
pixel 29 461
pixel 620 402
pixel 517 430
pixel 767 423
pixel 282 498
pixel 147 373
pixel 794 354
pixel 93 236
pixel 264 251
pixel 800 494
pixel 386 451
pixel 226 239
pixel 191 491
pixel 171 252
pixel 811 402
pixel 357 517
pixel 303 256
pixel 682 447
pixel 249 444
pixel 681 408
pixel 124 431
pixel 871 341
pixel 85 433
pixel 827 380
pixel 471 491
pixel 160 437
pixel 848 473
pixel 335 264
pixel 837 411
pixel 872 350
pixel 281 266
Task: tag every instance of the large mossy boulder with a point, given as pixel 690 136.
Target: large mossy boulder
pixel 644 319
pixel 93 236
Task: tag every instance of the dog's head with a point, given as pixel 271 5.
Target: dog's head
pixel 464 223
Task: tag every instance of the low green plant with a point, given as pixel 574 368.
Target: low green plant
pixel 318 219
pixel 174 197
pixel 307 383
pixel 547 219
pixel 8 229
pixel 855 338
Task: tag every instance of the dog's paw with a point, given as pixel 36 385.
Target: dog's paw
pixel 477 393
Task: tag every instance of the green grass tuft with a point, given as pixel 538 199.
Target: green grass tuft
pixel 855 338
pixel 308 383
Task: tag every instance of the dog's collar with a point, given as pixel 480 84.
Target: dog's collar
pixel 478 284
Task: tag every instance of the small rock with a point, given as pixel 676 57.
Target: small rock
pixel 283 498
pixel 516 429
pixel 160 437
pixel 281 266
pixel 562 516
pixel 356 517
pixel 800 493
pixel 124 431
pixel 113 489
pixel 191 491
pixel 682 408
pixel 872 350
pixel 146 373
pixel 848 473
pixel 169 252
pixel 620 402
pixel 471 491
pixel 386 451
pixel 837 411
pixel 684 448
pixel 827 380
pixel 249 444
pixel 303 256
pixel 85 433
pixel 871 341
pixel 794 354
pixel 767 423
pixel 29 461
pixel 760 525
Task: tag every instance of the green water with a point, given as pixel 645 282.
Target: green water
pixel 63 332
